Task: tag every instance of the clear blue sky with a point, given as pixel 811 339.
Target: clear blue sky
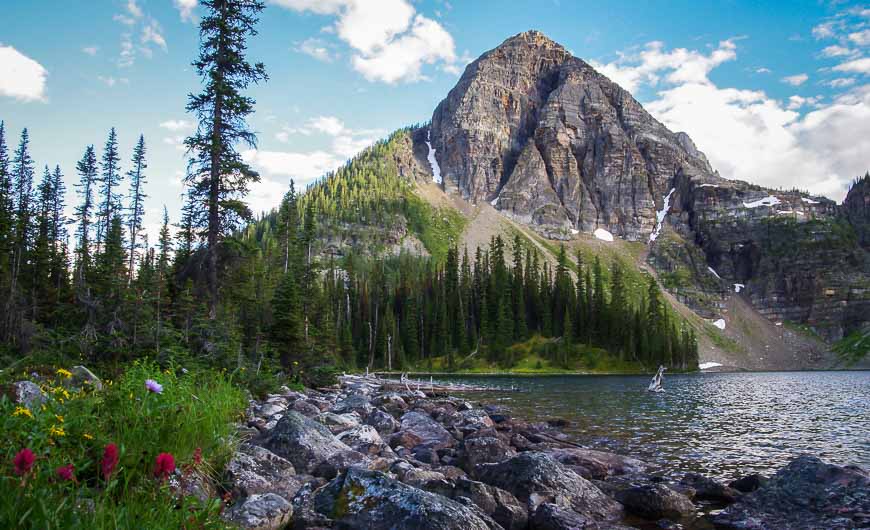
pixel 775 94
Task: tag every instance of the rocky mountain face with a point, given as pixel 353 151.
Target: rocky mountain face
pixel 553 144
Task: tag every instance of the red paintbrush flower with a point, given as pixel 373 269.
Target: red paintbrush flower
pixel 197 456
pixel 164 464
pixel 109 460
pixel 23 461
pixel 65 472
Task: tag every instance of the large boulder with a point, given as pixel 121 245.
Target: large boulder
pixel 656 501
pixel 366 440
pixel 266 511
pixel 805 494
pixel 360 499
pixel 427 430
pixel 354 403
pixel 28 393
pixel 554 517
pixel 84 378
pixel 707 489
pixel 536 478
pixel 502 506
pixel 383 422
pixel 303 441
pixel 485 450
pixel 598 465
pixel 254 469
pixel 338 423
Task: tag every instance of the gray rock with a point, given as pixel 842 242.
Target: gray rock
pixel 354 403
pixel 499 504
pixel 366 440
pixel 806 494
pixel 254 469
pixel 360 499
pixel 29 394
pixel 303 441
pixel 338 462
pixel 84 378
pixel 598 465
pixel 427 430
pixel 656 501
pixel 305 408
pixel 748 483
pixel 338 423
pixel 266 511
pixel 707 489
pixel 383 422
pixel 536 478
pixel 485 450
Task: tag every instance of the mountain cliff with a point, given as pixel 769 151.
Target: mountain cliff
pixel 532 139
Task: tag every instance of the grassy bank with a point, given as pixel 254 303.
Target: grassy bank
pixel 101 459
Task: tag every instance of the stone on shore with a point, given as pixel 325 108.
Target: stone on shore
pixel 806 494
pixel 266 511
pixel 428 431
pixel 360 499
pixel 254 470
pixel 536 478
pixel 303 441
pixel 656 501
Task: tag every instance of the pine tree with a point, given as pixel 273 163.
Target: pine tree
pixel 521 329
pixel 137 202
pixel 87 169
pixel 110 182
pixel 6 209
pixel 217 172
pixel 164 246
pixel 22 175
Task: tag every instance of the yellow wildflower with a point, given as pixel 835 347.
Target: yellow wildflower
pixel 64 373
pixel 22 411
pixel 59 418
pixel 87 436
pixel 56 431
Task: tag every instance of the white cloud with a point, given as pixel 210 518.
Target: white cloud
pixel 176 125
pixel 796 102
pixel 134 9
pixel 748 135
pixel 124 19
pixel 91 50
pixel 151 33
pixel 316 48
pixel 836 51
pixel 278 167
pixel 185 9
pixel 762 70
pixel 859 66
pixel 21 77
pixel 175 141
pixel 795 80
pixel 391 42
pixel 128 54
pixel 110 81
pixel 841 82
pixel 681 65
pixel 825 30
pixel 861 38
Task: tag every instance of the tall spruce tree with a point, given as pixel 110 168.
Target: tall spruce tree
pixel 87 170
pixel 217 172
pixel 137 202
pixel 110 182
pixel 6 209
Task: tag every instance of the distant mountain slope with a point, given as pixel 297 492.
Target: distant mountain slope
pixel 536 142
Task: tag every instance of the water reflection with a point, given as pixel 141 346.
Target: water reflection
pixel 722 425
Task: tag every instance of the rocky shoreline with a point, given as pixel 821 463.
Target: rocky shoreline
pixel 359 456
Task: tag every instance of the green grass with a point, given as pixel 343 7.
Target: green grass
pixel 437 228
pixel 853 347
pixel 539 355
pixel 195 410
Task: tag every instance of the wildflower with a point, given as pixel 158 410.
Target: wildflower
pixel 65 472
pixel 56 431
pixel 64 373
pixel 197 456
pixel 22 411
pixel 59 418
pixel 109 460
pixel 87 436
pixel 23 461
pixel 164 464
pixel 153 386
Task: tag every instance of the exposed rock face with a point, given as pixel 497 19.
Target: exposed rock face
pixel 303 441
pixel 805 494
pixel 371 500
pixel 566 146
pixel 536 478
pixel 554 144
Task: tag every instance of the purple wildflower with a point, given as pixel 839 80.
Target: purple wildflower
pixel 153 386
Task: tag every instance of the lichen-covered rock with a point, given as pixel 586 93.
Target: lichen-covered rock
pixel 303 441
pixel 748 483
pixel 656 501
pixel 84 378
pixel 598 465
pixel 335 463
pixel 806 494
pixel 499 504
pixel 366 440
pixel 485 450
pixel 254 469
pixel 536 478
pixel 357 403
pixel 28 394
pixel 305 408
pixel 383 422
pixel 266 511
pixel 427 430
pixel 360 499
pixel 338 423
